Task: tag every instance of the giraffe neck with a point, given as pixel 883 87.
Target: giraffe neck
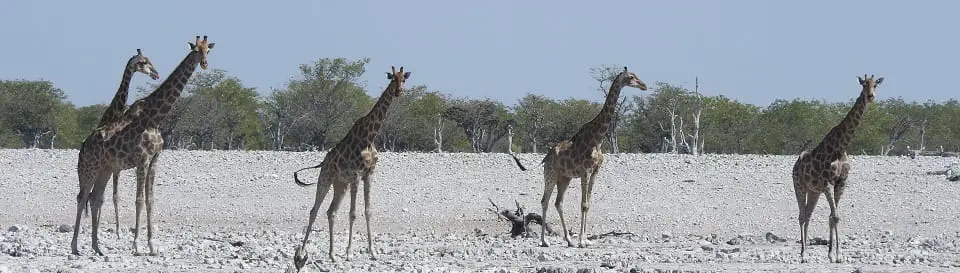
pixel 159 103
pixel 592 133
pixel 374 119
pixel 119 102
pixel 840 137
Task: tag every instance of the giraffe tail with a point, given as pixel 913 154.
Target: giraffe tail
pixel 517 160
pixel 297 179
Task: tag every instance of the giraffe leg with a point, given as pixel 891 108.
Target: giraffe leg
pixel 96 203
pixel 116 210
pixel 367 180
pixel 801 194
pixel 834 219
pixel 548 185
pixel 353 217
pixel 300 257
pixel 141 200
pixel 83 197
pixel 586 191
pixel 148 191
pixel 811 204
pixel 562 184
pixel 837 191
pixel 339 190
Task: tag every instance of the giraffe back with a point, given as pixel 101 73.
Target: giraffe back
pixel 569 160
pixel 818 171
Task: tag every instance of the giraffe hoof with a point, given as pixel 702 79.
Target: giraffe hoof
pixel 299 261
pixel 373 257
pixel 544 244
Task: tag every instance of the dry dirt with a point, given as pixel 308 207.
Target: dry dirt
pixel 241 212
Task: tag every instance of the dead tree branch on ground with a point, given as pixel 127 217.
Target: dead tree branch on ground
pixel 608 234
pixel 519 224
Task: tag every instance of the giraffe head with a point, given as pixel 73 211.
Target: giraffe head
pixel 869 86
pixel 398 78
pixel 627 78
pixel 143 65
pixel 204 48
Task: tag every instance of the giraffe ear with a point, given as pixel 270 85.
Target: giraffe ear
pixel 192 46
pixel 860 79
pixel 210 46
pixel 389 76
pixel 879 80
pixel 406 75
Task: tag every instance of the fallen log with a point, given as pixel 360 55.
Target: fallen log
pixel 519 223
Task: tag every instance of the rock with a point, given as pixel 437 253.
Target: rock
pixel 14 228
pixel 773 238
pixel 666 235
pixel 544 258
pixel 706 245
pixel 730 250
pixel 65 228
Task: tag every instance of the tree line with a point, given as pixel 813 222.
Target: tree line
pixel 315 109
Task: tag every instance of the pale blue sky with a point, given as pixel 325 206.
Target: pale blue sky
pixel 753 51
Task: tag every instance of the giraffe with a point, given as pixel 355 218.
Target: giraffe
pixel 580 157
pixel 113 113
pixel 120 145
pixel 826 166
pixel 352 160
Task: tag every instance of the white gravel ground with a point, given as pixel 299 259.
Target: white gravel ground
pixel 713 213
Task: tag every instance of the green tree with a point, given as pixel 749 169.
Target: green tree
pixel 329 98
pixel 484 122
pixel 567 116
pixel 30 112
pixel 727 124
pixel 413 120
pixel 532 116
pixel 88 117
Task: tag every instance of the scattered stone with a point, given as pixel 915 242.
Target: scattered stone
pixel 706 245
pixel 730 250
pixel 666 235
pixel 773 238
pixel 817 241
pixel 14 228
pixel 543 257
pixel 65 228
